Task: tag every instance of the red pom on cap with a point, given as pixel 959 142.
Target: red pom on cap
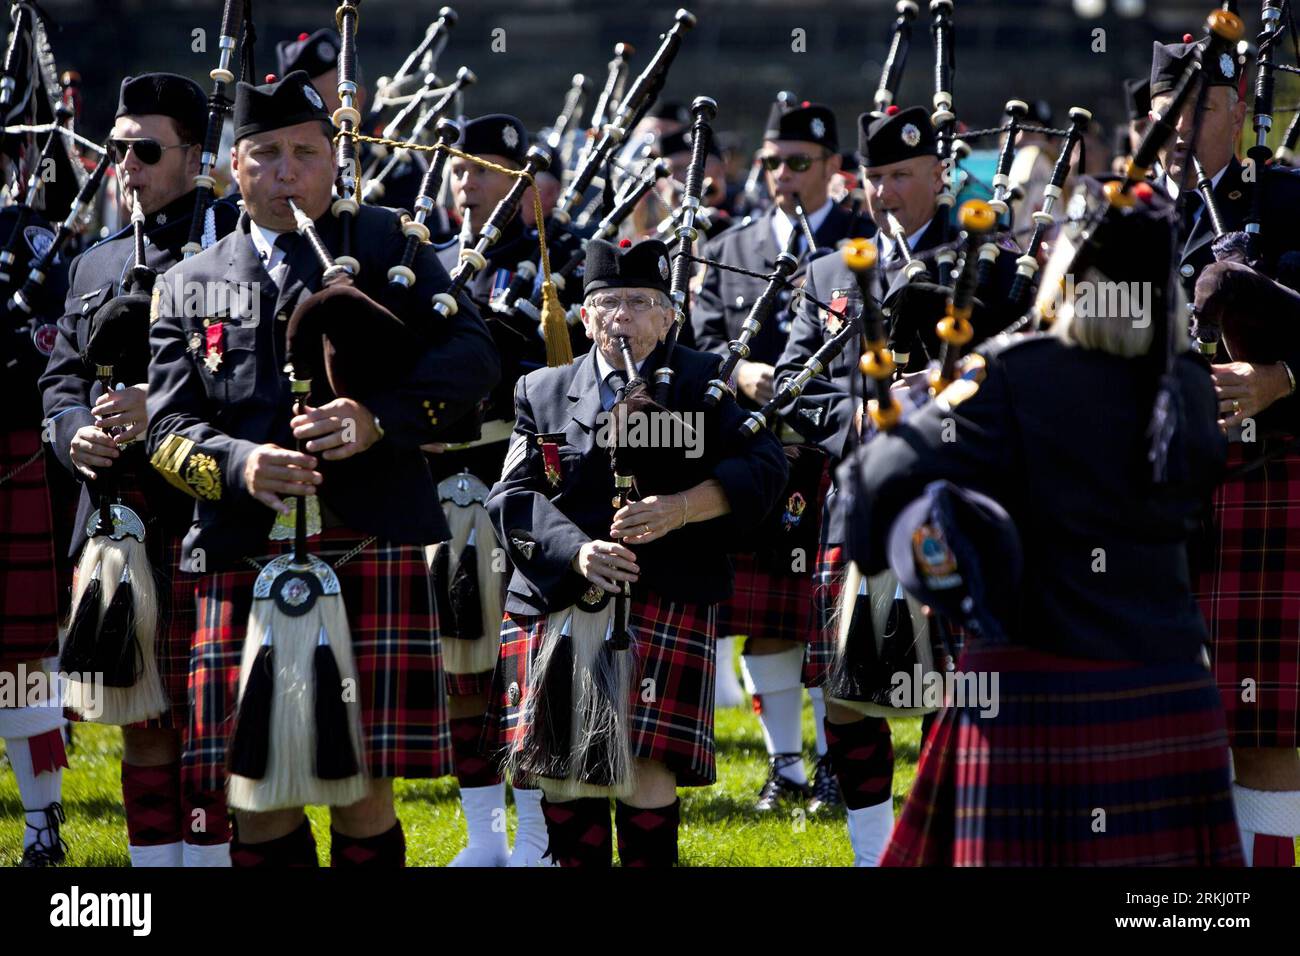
pixel 303 36
pixel 625 243
pixel 805 104
pixel 1143 191
pixel 1188 38
pixel 891 109
pixel 270 78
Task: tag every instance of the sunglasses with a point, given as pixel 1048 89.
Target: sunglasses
pixel 148 151
pixel 797 163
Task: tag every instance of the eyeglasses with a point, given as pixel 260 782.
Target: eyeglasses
pixel 797 162
pixel 148 151
pixel 609 304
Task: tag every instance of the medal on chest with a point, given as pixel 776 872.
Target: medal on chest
pixel 839 303
pixel 550 446
pixel 214 345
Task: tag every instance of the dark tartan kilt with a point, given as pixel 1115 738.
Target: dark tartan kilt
pixel 1249 592
pixel 766 604
pixel 176 622
pixel 676 644
pixel 828 580
pixel 394 625
pixel 1145 744
pixel 29 587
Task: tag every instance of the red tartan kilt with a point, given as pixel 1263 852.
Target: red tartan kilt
pixel 1250 596
pixel 394 625
pixel 1143 743
pixel 765 604
pixel 29 587
pixel 676 644
pixel 176 610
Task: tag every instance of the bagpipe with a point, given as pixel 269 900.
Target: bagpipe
pixel 45 175
pixel 114 618
pixel 945 123
pixel 703 111
pixel 236 30
pixel 629 112
pixel 297 737
pixel 610 96
pixel 562 136
pixel 373 178
pixel 514 301
pixel 891 73
pixel 427 52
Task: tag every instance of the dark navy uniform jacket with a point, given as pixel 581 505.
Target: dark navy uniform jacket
pixel 27 339
pixel 204 423
pixel 518 338
pixel 725 298
pixel 1057 435
pixel 69 387
pixel 1277 232
pixel 543 525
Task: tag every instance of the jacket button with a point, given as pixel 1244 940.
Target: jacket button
pixel 740 301
pixel 1186 270
pixel 283 316
pixel 512 694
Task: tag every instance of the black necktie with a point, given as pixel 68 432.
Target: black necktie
pixel 614 381
pixel 286 242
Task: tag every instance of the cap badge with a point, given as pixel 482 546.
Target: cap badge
pixel 818 127
pixel 510 136
pixel 313 97
pixel 663 267
pixel 911 135
pixel 326 51
pixel 934 559
pixel 1226 65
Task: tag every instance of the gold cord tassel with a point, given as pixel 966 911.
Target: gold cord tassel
pixel 554 327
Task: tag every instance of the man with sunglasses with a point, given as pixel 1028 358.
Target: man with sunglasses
pixel 155 141
pixel 772 603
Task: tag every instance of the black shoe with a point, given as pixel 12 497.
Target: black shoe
pixel 779 788
pixel 826 794
pixel 49 848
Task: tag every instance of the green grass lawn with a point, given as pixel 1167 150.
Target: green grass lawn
pixel 720 828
